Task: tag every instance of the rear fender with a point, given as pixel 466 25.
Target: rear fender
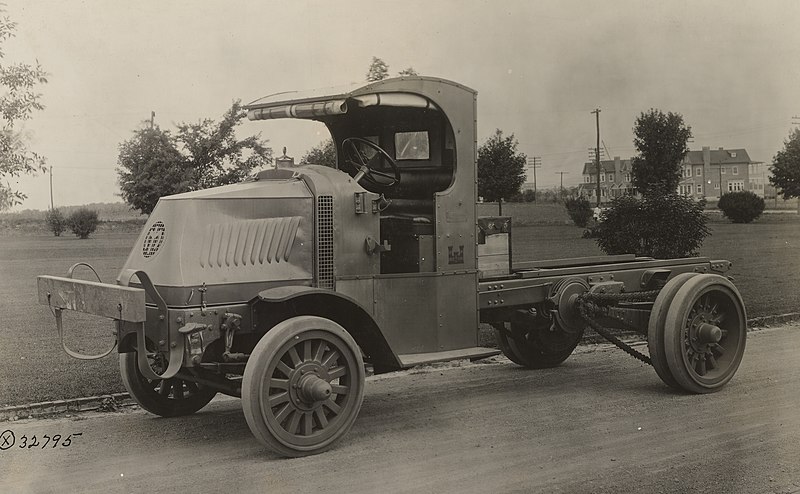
pixel 277 304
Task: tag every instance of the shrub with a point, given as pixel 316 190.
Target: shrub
pixel 579 210
pixel 56 221
pixel 662 226
pixel 83 222
pixel 741 207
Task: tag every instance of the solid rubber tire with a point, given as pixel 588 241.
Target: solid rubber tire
pixel 656 327
pixel 682 303
pixel 263 353
pixel 143 393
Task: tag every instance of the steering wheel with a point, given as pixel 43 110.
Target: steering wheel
pixel 362 164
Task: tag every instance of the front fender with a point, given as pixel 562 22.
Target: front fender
pixel 275 304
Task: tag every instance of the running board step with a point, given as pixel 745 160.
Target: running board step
pixel 475 353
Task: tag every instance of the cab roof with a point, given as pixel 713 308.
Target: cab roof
pixel 317 104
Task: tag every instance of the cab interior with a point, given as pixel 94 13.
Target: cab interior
pixel 421 144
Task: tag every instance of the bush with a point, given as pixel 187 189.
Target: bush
pixel 579 210
pixel 662 226
pixel 741 207
pixel 56 221
pixel 83 222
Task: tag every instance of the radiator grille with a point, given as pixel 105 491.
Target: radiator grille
pixel 324 231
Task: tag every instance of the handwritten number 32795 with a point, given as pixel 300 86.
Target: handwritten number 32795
pixel 47 440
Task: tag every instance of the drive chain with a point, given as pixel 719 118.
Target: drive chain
pixel 588 308
pixel 611 298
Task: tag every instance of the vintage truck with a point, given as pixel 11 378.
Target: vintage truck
pixel 279 289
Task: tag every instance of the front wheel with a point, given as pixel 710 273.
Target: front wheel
pixel 171 397
pixel 303 386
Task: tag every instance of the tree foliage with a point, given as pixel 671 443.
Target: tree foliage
pixel 666 226
pixel 83 222
pixel 323 153
pixel 501 168
pixel 150 166
pixel 662 141
pixel 662 223
pixel 579 210
pixel 21 99
pixel 741 207
pixel 786 167
pixel 156 163
pixel 215 156
pixel 56 221
pixel 378 70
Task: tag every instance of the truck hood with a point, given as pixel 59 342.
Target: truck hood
pixel 233 239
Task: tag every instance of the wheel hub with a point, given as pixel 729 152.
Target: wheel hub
pixel 308 386
pixel 313 389
pixel 702 334
pixel 708 333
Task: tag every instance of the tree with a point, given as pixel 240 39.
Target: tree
pixel 408 71
pixel 664 226
pixel 662 223
pixel 786 167
pixel 83 222
pixel 378 70
pixel 579 210
pixel 155 163
pixel 215 156
pixel 501 168
pixel 56 221
pixel 20 101
pixel 662 141
pixel 741 207
pixel 323 153
pixel 150 166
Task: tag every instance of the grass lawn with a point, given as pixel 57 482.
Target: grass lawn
pixel 34 368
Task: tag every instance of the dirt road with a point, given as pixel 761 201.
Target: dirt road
pixel 602 422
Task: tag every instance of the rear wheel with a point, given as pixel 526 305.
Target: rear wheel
pixel 165 397
pixel 303 386
pixel 656 327
pixel 539 343
pixel 503 338
pixel 706 331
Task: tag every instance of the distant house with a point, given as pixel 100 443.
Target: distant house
pixel 759 180
pixel 708 174
pixel 615 179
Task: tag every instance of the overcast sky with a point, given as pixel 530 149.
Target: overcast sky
pixel 732 68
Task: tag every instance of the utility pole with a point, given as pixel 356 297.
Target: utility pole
pixel 51 186
pixel 152 119
pixel 562 182
pixel 596 112
pixel 534 162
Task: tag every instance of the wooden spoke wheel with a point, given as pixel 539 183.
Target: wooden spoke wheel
pixel 165 397
pixel 303 386
pixel 538 343
pixel 657 324
pixel 706 330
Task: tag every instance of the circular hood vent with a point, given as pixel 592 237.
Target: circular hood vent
pixel 154 239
